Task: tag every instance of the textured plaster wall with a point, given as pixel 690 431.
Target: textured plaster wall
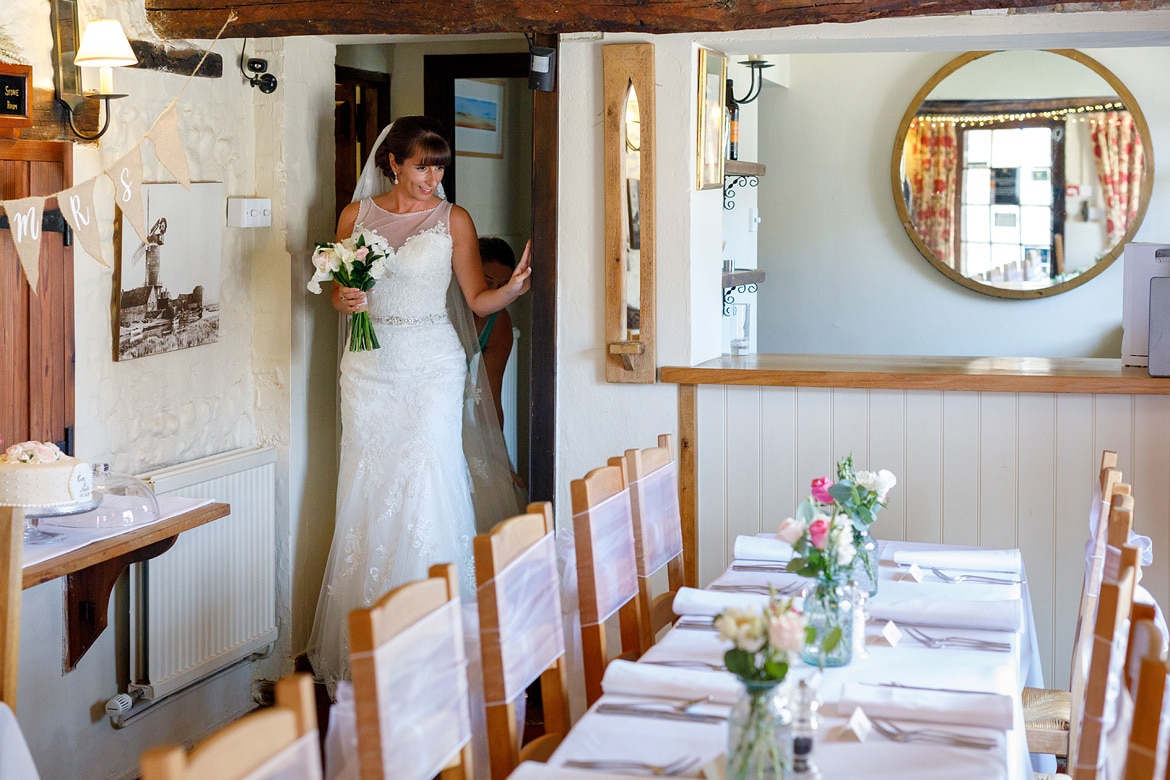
pixel 269 380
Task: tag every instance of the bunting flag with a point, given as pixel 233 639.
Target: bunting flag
pixel 168 146
pixel 24 220
pixel 76 204
pixel 126 174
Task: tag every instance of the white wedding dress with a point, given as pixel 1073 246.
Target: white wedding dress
pixel 404 498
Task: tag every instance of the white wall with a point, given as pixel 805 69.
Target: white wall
pixel 269 379
pixel 842 274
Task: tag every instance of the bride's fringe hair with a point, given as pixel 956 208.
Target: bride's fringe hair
pixel 412 136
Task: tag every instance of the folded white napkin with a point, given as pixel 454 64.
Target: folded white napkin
pixel 967 613
pixel 990 710
pixel 692 601
pixel 761 548
pixel 968 560
pixel 634 679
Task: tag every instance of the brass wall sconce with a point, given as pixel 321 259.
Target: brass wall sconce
pixel 103 46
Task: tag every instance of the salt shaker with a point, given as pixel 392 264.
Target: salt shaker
pixel 805 723
pixel 860 598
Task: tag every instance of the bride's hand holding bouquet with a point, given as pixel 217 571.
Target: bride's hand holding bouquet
pixel 356 262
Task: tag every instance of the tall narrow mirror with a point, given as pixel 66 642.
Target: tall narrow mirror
pixel 628 72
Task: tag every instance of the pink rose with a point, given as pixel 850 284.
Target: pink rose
pixel 790 531
pixel 820 490
pixel 361 253
pixel 818 532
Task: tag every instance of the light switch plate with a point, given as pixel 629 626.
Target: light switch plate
pixel 249 212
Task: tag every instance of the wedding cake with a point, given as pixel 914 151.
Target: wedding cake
pixel 36 473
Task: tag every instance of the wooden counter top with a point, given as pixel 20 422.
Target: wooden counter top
pixel 913 372
pixel 117 546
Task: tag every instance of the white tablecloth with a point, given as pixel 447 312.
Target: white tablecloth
pixel 76 538
pixel 15 761
pixel 909 663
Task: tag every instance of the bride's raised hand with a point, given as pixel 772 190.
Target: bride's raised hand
pixel 519 282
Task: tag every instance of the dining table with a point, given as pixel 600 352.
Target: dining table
pixel 902 675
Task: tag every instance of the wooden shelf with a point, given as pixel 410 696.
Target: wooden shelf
pixel 742 276
pixel 91 571
pixel 743 168
pixel 920 372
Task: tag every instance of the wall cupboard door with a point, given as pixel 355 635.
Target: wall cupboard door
pixel 36 330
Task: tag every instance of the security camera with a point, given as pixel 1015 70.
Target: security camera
pixel 257 65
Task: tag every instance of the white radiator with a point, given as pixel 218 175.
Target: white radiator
pixel 210 600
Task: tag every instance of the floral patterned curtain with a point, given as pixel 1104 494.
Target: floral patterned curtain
pixel 932 174
pixel 1117 148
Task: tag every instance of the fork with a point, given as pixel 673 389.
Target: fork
pixel 936 642
pixel 942 575
pixel 896 733
pixel 673 769
pixel 761 589
pixel 669 705
pixel 685 664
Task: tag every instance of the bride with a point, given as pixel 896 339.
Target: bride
pixel 405 490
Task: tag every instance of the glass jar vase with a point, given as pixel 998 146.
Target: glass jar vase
pixel 829 613
pixel 759 742
pixel 865 562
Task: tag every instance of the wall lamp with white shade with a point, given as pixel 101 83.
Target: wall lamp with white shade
pixel 103 46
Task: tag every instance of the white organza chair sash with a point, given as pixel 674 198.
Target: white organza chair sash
pixel 422 695
pixel 299 761
pixel 1113 722
pixel 657 531
pixel 531 629
pixel 612 560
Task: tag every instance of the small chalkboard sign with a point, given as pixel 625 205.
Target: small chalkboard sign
pixel 15 95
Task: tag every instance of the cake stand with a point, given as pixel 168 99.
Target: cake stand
pixel 33 534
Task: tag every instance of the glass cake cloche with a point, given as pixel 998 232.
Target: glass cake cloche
pixel 125 501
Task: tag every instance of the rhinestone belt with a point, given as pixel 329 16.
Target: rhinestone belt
pixel 426 319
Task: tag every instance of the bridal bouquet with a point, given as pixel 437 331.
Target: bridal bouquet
pixel 357 261
pixel 763 645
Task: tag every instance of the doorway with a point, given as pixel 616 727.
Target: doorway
pixel 531 192
pixel 361 110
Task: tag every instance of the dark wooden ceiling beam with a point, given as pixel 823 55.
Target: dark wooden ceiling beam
pixel 278 18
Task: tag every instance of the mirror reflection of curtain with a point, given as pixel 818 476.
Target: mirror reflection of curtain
pixel 932 174
pixel 1117 148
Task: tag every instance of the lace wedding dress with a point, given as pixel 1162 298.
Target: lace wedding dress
pixel 404 498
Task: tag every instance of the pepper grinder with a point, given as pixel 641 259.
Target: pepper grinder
pixel 806 721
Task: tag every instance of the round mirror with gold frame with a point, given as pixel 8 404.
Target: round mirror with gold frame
pixel 1022 174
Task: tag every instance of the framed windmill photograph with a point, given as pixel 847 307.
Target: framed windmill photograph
pixel 169 284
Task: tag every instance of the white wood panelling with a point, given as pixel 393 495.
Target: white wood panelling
pixel 993 469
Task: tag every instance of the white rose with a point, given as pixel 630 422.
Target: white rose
pixel 885 481
pixel 377 269
pixel 842 540
pixel 786 631
pixel 790 531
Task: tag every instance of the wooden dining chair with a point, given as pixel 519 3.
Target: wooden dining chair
pixel 1110 637
pixel 652 475
pixel 521 634
pixel 11 580
pixel 410 682
pixel 607 577
pixel 1048 712
pixel 278 741
pixel 1147 646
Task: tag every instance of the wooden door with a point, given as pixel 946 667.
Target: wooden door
pixel 36 331
pixel 361 110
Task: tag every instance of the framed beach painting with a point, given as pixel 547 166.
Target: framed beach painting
pixel 479 117
pixel 168 285
pixel 709 154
